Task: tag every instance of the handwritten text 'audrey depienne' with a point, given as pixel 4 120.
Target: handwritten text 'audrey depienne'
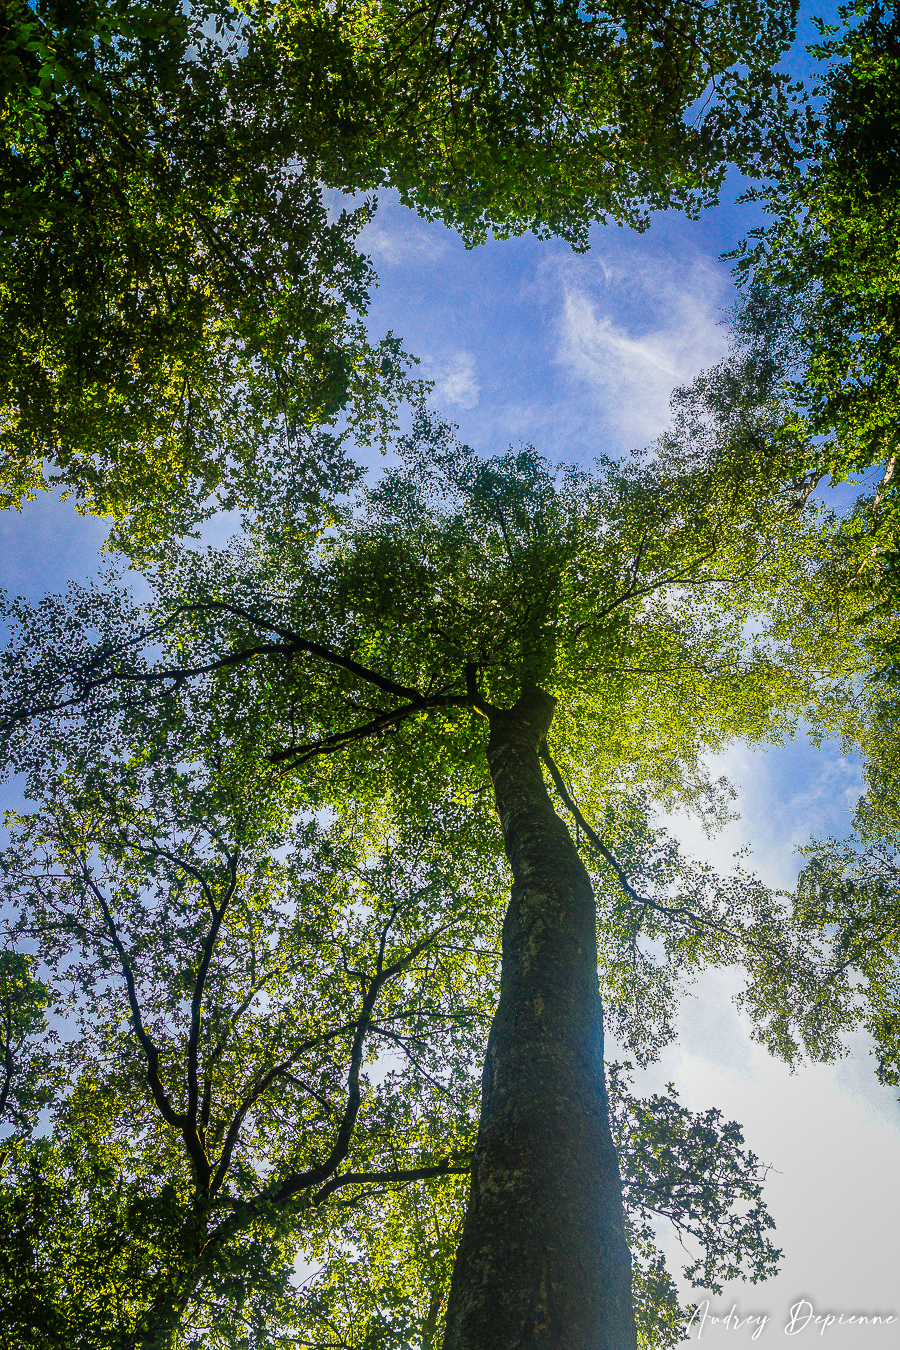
pixel 803 1316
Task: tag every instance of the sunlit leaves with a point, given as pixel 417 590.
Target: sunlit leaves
pixel 264 1017
pixel 177 303
pixel 502 117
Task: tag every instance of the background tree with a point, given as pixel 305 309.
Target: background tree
pixel 819 316
pixel 173 293
pixel 621 616
pixel 225 1010
pixel 812 382
pixel 507 117
pixel 830 963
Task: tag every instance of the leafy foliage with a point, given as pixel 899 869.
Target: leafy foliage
pixel 355 662
pixel 341 675
pixel 385 1270
pixel 821 280
pixel 273 1037
pixel 178 308
pixel 25 1075
pixel 823 962
pixel 226 1009
pixel 834 965
pixel 690 1169
pixel 506 117
pixel 176 303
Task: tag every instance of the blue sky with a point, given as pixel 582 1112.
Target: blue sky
pixel 526 340
pixel 578 354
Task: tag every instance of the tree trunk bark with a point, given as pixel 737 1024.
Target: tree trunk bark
pixel 543 1263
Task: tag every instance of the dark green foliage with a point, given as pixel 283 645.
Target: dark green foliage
pixel 822 289
pixel 691 1170
pixel 174 298
pixel 508 117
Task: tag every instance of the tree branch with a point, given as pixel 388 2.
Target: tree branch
pixel 295 756
pixel 8 1062
pixel 178 1119
pixel 197 1004
pixel 604 853
pixel 341 1147
pixel 255 1092
pixel 296 643
pixel 401 1174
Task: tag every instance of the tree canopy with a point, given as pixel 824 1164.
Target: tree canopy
pixel 271 1043
pixel 175 296
pixel 507 117
pixel 820 280
pixel 226 1005
pixel 256 949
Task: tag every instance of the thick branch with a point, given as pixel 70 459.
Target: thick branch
pixel 253 1095
pixel 401 1174
pixel 193 1049
pixel 293 642
pixel 294 756
pixel 603 851
pixel 176 675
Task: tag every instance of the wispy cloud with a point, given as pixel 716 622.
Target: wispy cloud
pixel 455 378
pixel 393 245
pixel 641 329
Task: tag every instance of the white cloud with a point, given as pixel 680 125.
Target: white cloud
pixel 786 795
pixel 409 242
pixel 633 332
pixel 455 379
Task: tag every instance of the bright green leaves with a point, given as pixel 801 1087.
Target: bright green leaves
pixel 87 1250
pixel 642 594
pixel 506 118
pixel 659 599
pixel 177 304
pixel 25 1079
pixel 385 1268
pixel 292 1012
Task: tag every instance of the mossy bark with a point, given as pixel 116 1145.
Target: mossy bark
pixel 543 1263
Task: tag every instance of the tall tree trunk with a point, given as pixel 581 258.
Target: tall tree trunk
pixel 542 1263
